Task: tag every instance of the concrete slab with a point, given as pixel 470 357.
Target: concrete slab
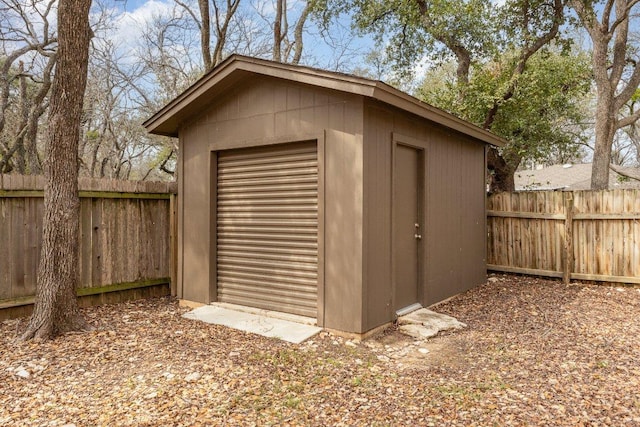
pixel 424 323
pixel 285 330
pixel 267 313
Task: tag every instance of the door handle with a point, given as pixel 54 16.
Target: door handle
pixel 418 236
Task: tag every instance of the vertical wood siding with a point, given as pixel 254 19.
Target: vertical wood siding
pixel 268 112
pixel 453 234
pixel 529 232
pixel 124 236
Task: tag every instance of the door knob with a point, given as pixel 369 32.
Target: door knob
pixel 417 236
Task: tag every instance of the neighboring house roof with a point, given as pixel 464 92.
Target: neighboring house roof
pixel 235 68
pixel 566 177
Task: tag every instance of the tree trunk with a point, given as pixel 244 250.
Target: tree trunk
pixel 615 72
pixel 19 161
pixel 297 35
pixel 605 129
pixel 605 116
pixel 277 31
pixel 205 34
pixel 56 306
pixel 501 172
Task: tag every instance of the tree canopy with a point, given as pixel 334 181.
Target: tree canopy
pixel 491 50
pixel 543 119
pixel 470 33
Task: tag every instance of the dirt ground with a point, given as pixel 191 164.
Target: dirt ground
pixel 535 352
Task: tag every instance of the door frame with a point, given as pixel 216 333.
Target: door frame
pixel 320 139
pixel 421 148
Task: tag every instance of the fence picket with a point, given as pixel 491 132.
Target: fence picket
pixel 124 236
pixel 593 234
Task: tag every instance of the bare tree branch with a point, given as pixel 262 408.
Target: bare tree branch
pixel 633 174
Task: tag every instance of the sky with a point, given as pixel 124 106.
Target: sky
pixel 343 51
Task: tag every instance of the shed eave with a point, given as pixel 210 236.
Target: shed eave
pixel 169 118
pixel 399 99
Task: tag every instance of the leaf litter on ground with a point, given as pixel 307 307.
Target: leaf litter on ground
pixel 536 352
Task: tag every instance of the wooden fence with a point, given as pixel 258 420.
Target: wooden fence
pixel 582 235
pixel 127 230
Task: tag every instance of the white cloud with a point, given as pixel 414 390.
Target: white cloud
pixel 131 24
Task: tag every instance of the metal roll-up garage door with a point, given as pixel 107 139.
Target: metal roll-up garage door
pixel 267 227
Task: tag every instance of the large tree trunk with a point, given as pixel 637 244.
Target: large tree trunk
pixel 605 130
pixel 615 71
pixel 605 115
pixel 502 172
pixel 56 307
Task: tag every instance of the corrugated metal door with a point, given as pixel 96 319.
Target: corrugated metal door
pixel 267 227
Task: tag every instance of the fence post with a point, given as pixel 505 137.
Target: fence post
pixel 568 238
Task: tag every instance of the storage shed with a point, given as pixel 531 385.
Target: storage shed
pixel 323 194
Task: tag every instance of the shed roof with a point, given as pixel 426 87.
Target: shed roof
pixel 237 67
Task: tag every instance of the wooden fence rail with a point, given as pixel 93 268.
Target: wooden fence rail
pixel 582 235
pixel 126 233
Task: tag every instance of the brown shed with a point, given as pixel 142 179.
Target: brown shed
pixel 323 194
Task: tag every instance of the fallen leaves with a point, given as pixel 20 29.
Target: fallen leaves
pixel 536 353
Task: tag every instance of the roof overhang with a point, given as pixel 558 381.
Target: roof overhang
pixel 237 68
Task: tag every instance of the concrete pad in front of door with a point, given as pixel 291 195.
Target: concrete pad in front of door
pixel 424 323
pixel 256 323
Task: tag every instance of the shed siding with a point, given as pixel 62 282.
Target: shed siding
pixel 266 111
pixel 377 225
pixel 454 231
pixel 194 248
pixel 456 242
